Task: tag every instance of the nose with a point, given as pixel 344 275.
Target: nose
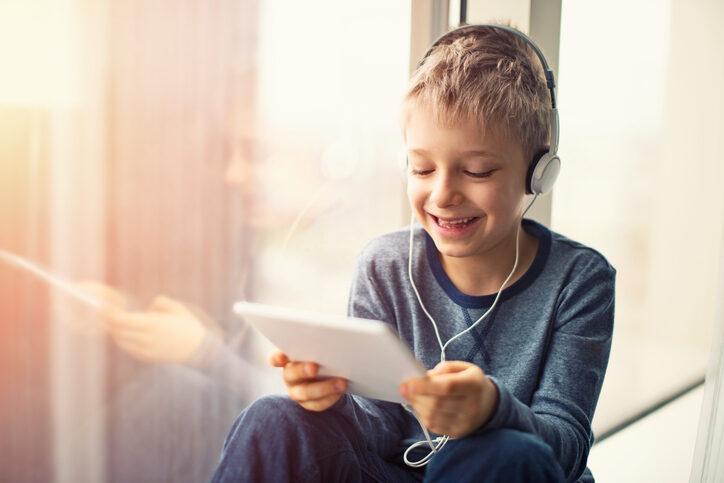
pixel 445 192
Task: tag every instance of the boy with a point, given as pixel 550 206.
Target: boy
pixel 516 389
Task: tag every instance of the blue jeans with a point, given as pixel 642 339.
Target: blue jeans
pixel 276 440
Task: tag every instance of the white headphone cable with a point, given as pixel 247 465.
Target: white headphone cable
pixel 438 443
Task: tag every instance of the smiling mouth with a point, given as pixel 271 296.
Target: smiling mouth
pixel 454 223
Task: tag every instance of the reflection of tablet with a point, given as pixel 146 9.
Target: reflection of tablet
pixel 366 352
pixel 53 279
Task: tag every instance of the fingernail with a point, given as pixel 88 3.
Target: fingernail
pixel 309 369
pixel 339 386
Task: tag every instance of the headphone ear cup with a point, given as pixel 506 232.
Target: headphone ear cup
pixel 531 169
pixel 542 174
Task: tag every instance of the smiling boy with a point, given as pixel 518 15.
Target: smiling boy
pixel 516 389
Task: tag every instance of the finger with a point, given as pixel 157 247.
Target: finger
pixel 142 332
pixel 278 359
pixel 133 338
pixel 321 404
pixel 128 343
pixel 455 425
pixel 441 422
pixel 453 384
pixel 296 372
pixel 408 388
pixel 128 320
pixel 311 391
pixel 428 406
pixel 430 420
pixel 111 313
pixel 447 367
pixel 133 347
pixel 136 335
pixel 142 355
pixel 162 303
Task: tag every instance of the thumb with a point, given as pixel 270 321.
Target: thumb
pixel 448 367
pixel 161 303
pixel 278 358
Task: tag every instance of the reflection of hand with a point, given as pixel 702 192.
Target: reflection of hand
pixel 106 293
pixel 166 332
pixel 455 398
pixel 303 385
pixel 86 321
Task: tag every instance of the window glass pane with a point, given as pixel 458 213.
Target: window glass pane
pixel 328 169
pixel 168 160
pixel 640 103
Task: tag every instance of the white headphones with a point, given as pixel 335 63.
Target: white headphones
pixel 543 169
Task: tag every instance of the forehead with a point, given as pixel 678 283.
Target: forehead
pixel 424 131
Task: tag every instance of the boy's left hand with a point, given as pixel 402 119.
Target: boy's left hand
pixel 455 398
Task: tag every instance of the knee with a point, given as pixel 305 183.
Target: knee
pixel 278 417
pixel 503 455
pixel 519 446
pixel 269 411
pixel 261 412
pixel 267 406
pixel 278 422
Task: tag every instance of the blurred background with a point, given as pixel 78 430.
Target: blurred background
pixel 169 158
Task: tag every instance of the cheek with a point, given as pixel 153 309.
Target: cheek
pixel 483 196
pixel 496 200
pixel 415 194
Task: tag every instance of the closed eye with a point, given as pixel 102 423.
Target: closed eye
pixel 420 172
pixel 484 174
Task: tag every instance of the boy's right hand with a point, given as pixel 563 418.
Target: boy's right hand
pixel 303 385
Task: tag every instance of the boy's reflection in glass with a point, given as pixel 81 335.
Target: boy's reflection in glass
pixel 174 408
pixel 178 376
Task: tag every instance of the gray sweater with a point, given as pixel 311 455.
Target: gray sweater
pixel 545 346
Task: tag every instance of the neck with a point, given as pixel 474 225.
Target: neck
pixel 484 274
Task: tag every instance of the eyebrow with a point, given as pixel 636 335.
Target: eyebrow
pixel 464 154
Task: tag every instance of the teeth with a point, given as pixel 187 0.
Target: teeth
pixel 459 221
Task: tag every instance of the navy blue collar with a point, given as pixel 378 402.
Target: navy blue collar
pixel 531 227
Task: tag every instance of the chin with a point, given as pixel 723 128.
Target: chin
pixel 452 249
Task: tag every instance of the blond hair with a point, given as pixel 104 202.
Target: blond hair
pixel 488 75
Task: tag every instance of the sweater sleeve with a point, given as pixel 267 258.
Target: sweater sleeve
pixel 365 299
pixel 570 382
pixel 383 422
pixel 221 363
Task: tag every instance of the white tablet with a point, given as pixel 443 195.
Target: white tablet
pixel 365 352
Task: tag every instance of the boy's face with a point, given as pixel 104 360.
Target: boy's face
pixel 465 189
